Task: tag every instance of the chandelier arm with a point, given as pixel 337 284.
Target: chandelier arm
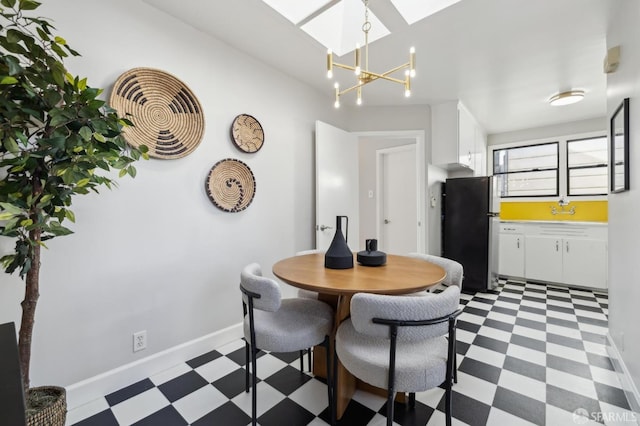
pixel 351 89
pixel 345 67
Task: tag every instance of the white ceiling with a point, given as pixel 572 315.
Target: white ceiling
pixel 502 58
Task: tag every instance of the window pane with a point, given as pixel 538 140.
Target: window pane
pixel 587 152
pixel 589 181
pixel 526 158
pixel 528 184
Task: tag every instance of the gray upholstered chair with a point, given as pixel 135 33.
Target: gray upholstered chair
pixel 454 270
pixel 280 325
pixel 398 343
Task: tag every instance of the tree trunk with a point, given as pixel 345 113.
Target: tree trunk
pixel 31 295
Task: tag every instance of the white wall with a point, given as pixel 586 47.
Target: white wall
pixel 624 233
pixel 156 254
pixel 571 128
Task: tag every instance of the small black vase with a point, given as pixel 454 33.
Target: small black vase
pixel 339 256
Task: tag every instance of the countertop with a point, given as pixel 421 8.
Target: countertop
pixel 557 222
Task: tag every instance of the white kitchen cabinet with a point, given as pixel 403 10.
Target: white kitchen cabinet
pixel 584 262
pixel 544 258
pixel 568 254
pixel 511 263
pixel 480 153
pixel 456 138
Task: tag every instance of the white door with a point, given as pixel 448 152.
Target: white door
pixel 336 184
pixel 398 200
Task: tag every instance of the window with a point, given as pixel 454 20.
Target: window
pixel 587 166
pixel 527 171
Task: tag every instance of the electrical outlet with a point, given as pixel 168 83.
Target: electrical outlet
pixel 140 340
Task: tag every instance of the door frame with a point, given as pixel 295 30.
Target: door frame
pixel 418 136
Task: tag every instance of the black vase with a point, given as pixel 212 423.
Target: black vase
pixel 339 256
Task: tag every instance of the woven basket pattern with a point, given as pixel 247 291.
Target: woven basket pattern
pixel 53 415
pixel 231 185
pixel 247 133
pixel 167 116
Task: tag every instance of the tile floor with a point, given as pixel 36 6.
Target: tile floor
pixel 528 354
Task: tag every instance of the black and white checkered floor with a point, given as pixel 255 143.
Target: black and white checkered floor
pixel 528 354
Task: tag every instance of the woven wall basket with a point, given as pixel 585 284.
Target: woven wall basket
pixel 167 116
pixel 247 133
pixel 231 185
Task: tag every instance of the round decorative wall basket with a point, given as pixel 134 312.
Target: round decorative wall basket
pixel 167 116
pixel 231 185
pixel 247 133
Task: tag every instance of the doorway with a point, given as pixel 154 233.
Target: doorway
pixel 397 204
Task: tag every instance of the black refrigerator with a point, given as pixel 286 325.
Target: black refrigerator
pixel 470 226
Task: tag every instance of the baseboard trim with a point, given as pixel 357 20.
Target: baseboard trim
pixel 110 381
pixel 630 389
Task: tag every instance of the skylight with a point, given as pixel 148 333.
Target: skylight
pixel 338 28
pixel 414 10
pixel 296 10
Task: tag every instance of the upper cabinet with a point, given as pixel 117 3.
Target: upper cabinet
pixel 457 141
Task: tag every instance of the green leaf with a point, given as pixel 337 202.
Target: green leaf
pixel 60 40
pixel 14 65
pixel 11 145
pixel 99 137
pixel 69 215
pixel 83 182
pixel 122 172
pixel 28 4
pixel 8 80
pixel 26 222
pixel 10 208
pixel 132 171
pixel 85 133
pixel 43 35
pixel 8 3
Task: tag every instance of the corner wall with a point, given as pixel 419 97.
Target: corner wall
pixel 624 233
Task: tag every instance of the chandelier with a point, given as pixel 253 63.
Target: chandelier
pixel 363 74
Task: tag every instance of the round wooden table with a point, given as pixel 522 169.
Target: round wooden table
pixel 400 275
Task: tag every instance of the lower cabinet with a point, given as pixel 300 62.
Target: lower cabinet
pixel 511 255
pixel 568 254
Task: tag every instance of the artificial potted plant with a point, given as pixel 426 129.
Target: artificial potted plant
pixel 57 140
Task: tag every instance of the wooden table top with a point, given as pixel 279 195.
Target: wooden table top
pixel 400 275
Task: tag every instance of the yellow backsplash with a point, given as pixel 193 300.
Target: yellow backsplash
pixel 583 211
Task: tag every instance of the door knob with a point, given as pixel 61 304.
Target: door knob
pixel 325 227
pixel 387 221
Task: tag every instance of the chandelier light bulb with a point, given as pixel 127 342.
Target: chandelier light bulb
pixel 337 104
pixel 407 93
pixel 329 74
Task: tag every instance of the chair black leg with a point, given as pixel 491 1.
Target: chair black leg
pixel 447 402
pixel 412 400
pixel 390 397
pixel 309 358
pixel 301 360
pixel 455 367
pixel 254 392
pixel 246 366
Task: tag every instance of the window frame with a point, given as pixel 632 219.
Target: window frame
pixel 528 145
pixel 497 142
pixel 568 169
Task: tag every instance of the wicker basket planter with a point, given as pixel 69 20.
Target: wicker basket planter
pixel 52 414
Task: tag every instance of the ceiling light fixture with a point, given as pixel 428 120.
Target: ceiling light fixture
pixel 363 74
pixel 566 98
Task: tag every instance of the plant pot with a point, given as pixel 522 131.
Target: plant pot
pixel 46 406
